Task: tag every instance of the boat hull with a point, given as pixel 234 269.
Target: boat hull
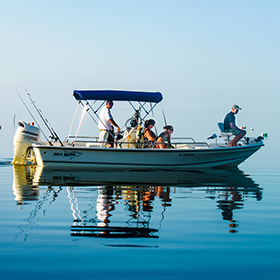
pixel 178 159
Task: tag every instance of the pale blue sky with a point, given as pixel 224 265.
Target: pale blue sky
pixel 201 54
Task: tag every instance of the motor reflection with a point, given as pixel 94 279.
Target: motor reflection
pixel 23 187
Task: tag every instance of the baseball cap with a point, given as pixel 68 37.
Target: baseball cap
pixel 236 107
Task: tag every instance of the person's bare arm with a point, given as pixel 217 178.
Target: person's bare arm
pixel 161 144
pixel 115 124
pixel 149 135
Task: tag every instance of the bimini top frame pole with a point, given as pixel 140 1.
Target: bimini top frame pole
pixel 118 95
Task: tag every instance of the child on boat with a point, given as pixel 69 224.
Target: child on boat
pixel 164 139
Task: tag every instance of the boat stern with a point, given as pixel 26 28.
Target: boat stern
pixel 25 136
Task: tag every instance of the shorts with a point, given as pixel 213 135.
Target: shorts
pixel 110 138
pixel 106 137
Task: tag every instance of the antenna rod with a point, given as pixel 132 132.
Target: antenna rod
pixel 33 118
pixel 46 122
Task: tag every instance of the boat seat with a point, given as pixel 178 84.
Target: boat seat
pixel 224 134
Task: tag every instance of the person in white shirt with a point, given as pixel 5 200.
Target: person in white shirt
pixel 106 125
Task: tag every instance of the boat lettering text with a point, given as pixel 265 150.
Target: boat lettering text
pixel 69 155
pixel 186 155
pixel 64 178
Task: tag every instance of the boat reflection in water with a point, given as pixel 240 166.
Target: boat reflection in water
pixel 23 187
pixel 121 204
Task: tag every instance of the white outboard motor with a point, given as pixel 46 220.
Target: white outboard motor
pixel 25 136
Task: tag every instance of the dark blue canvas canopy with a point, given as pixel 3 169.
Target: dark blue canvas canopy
pixel 118 95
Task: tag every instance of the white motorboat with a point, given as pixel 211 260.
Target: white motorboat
pixel 129 152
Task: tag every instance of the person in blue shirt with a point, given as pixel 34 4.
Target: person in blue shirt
pixel 230 126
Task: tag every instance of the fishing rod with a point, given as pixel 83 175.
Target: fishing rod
pixel 46 122
pixel 33 118
pixel 164 118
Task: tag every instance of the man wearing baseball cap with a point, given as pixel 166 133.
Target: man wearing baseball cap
pixel 230 126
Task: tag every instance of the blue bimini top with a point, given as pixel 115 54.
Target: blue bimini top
pixel 118 95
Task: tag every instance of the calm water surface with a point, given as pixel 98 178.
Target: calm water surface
pixel 220 224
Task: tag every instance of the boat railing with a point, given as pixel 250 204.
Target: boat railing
pixel 183 138
pixel 190 145
pixel 86 138
pixel 183 143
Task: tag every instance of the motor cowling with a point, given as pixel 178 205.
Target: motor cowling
pixel 25 136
